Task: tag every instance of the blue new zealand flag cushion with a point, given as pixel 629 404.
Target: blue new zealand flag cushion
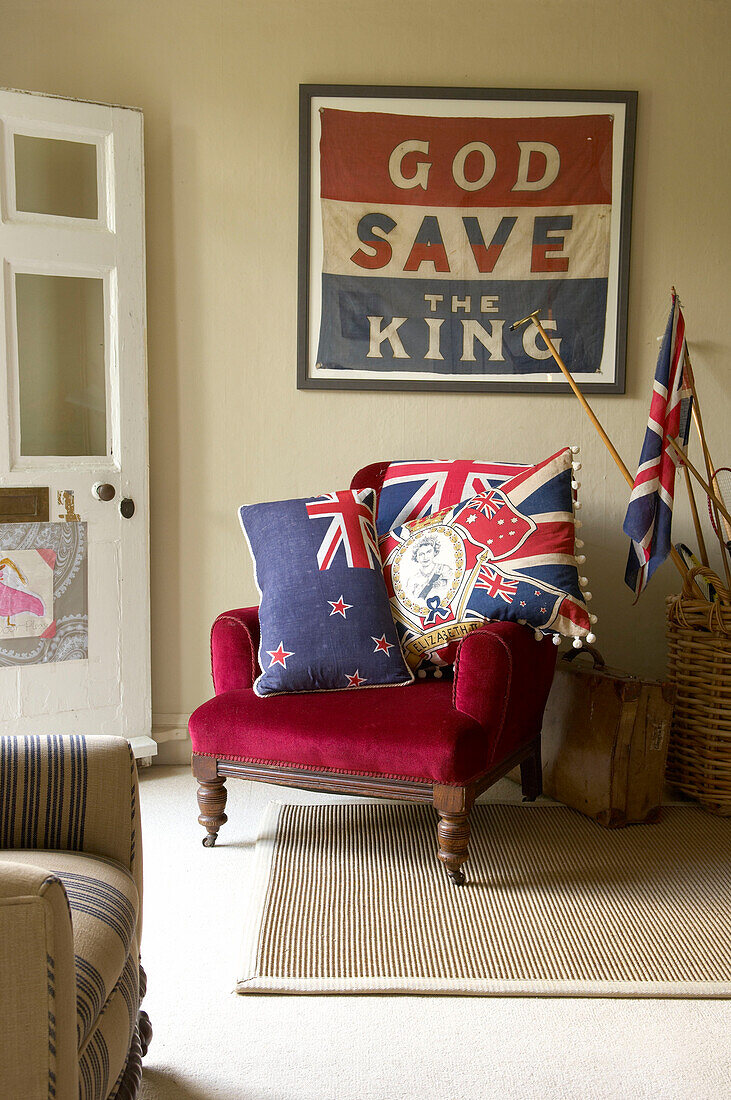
pixel 325 618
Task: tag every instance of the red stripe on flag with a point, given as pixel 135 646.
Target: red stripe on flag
pixel 456 480
pixel 486 256
pixel 556 537
pixel 667 473
pixel 530 471
pixel 329 553
pixel 356 146
pixel 647 475
pixel 574 613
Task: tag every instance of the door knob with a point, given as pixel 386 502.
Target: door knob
pixel 127 507
pixel 103 491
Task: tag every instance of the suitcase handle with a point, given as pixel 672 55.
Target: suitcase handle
pixel 597 659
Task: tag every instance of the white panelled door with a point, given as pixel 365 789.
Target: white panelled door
pixel 73 418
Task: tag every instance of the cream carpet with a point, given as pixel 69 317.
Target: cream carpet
pixel 210 1044
pixel 351 899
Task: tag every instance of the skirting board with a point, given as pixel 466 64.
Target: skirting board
pixel 169 727
pixel 170 732
pixel 173 754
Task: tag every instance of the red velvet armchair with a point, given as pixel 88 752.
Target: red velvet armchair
pixel 441 742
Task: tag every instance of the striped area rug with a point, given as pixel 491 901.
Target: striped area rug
pixel 350 898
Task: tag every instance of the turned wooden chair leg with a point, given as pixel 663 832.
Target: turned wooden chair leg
pixel 212 803
pixel 453 804
pixel 531 774
pixel 211 798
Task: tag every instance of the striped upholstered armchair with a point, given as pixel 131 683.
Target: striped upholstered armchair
pixel 70 920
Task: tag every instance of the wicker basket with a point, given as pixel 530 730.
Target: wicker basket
pixel 699 664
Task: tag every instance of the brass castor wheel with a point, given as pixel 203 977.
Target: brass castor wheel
pixel 457 877
pixel 209 840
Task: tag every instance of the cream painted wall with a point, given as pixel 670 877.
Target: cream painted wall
pixel 218 83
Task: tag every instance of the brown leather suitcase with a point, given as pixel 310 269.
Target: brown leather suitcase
pixel 605 741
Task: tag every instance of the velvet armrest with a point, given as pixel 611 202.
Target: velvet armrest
pixel 502 677
pixel 234 649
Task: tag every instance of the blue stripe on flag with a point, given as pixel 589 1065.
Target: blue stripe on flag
pixel 577 305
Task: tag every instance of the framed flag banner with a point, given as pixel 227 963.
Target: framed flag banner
pixel 432 219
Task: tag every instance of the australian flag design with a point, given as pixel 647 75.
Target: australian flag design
pixel 325 619
pixel 505 553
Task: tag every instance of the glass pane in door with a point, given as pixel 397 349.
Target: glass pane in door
pixel 53 176
pixel 61 368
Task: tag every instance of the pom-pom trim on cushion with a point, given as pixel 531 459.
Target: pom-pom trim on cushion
pixel 445 596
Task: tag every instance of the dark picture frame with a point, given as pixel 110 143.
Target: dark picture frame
pixel 432 219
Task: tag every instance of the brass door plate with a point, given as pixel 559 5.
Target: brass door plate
pixel 65 498
pixel 29 505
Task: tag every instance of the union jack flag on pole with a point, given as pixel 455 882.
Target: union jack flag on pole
pixel 650 512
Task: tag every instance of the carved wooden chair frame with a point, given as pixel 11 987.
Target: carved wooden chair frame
pixel 453 804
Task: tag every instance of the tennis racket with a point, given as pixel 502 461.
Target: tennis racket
pixel 721 485
pixel 692 562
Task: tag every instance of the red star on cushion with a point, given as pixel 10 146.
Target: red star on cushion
pixel 279 655
pixel 339 607
pixel 355 680
pixel 382 646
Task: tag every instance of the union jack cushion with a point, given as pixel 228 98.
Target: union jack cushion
pixel 325 619
pixel 503 553
pixel 414 490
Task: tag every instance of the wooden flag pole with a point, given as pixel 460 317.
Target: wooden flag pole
pixel 585 404
pixel 534 317
pixel 709 464
pixel 696 518
pixel 717 505
pixel 717 502
pixel 696 412
pixel 689 377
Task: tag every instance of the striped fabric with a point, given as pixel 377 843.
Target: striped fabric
pixel 104 912
pixel 101 913
pixel 38 1047
pixel 103 1058
pixel 43 790
pixel 91 995
pixel 70 793
pixel 105 903
pixel 51 971
pixel 69 805
pixel 352 899
pixel 94 1069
